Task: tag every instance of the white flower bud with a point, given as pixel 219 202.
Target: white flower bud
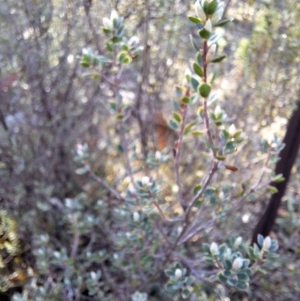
pixel 133 41
pixel 232 130
pixel 93 275
pixel 267 243
pixel 114 15
pixel 199 11
pixel 146 181
pixel 136 216
pixel 218 110
pixel 237 263
pixel 178 273
pixel 158 155
pixel 179 230
pixel 208 25
pixel 69 203
pixel 238 241
pixel 108 24
pixel 214 249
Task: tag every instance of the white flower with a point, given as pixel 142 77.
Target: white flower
pixel 214 249
pixel 69 202
pixel 267 243
pixel 114 15
pixel 199 11
pixel 133 41
pixel 237 263
pixel 208 25
pixel 93 275
pixel 218 111
pixel 108 24
pixel 178 273
pixel 217 15
pixel 146 181
pixel 238 241
pixel 136 216
pixel 232 130
pixel 179 230
pixel 137 296
pixel 158 155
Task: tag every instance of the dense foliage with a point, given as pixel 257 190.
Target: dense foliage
pixel 137 143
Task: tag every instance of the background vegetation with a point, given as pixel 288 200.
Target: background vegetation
pixel 87 179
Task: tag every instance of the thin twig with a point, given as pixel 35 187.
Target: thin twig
pixel 165 219
pixel 105 185
pixel 178 153
pixel 76 237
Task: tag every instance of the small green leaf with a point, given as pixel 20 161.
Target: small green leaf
pixel 223 22
pixel 260 240
pixel 211 7
pixel 206 248
pixel 188 128
pixel 204 90
pixel 237 134
pixel 193 43
pixel 84 64
pixel 278 178
pixel 95 62
pixel 199 59
pixel 197 69
pixel 127 60
pixel 242 286
pixel 274 245
pixel 179 90
pixel 194 20
pixel 125 47
pixel 185 100
pixel 121 56
pixel 212 98
pixel 185 293
pixel 229 147
pixel 272 189
pixel 227 264
pixel 204 34
pixel 173 124
pixel 232 281
pixel 225 135
pixel 104 59
pixel 218 59
pixel 109 47
pixel 209 191
pixel 177 117
pixel 214 38
pixel 113 105
pixel 222 278
pixel 194 83
pixel 82 170
pixel 197 189
pixel 196 133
